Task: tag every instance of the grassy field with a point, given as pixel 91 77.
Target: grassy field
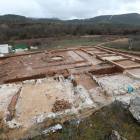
pixel 72 44
pixel 132 45
pixel 69 43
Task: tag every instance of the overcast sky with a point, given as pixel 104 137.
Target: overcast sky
pixel 68 9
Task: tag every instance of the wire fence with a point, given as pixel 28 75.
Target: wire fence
pixel 53 44
pixel 132 44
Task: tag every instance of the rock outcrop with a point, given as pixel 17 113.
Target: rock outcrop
pixel 135 106
pixel 116 136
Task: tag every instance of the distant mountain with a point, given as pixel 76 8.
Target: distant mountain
pixel 132 18
pixel 14 19
pixel 46 20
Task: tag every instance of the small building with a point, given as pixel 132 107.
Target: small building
pixel 33 48
pixel 1 55
pixel 4 48
pixel 20 47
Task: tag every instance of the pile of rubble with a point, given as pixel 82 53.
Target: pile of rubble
pixel 61 105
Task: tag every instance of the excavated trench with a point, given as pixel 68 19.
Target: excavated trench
pixel 11 107
pixel 25 78
pixel 64 73
pixel 109 70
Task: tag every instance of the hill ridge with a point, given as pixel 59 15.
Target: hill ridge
pixel 130 18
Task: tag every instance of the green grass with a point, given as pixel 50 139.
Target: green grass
pixel 71 44
pixel 1 130
pixel 133 45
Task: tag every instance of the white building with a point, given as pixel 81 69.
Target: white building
pixel 4 48
pixel 33 48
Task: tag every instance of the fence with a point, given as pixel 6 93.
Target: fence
pixel 82 41
pixel 133 44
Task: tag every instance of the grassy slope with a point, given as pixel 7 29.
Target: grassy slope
pixel 99 126
pixel 135 46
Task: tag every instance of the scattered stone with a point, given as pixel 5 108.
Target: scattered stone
pixel 74 121
pixel 53 129
pixel 32 82
pixel 61 105
pixel 40 119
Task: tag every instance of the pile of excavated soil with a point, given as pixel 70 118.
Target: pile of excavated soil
pixel 61 105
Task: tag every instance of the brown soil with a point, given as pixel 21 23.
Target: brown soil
pixel 1 61
pixel 65 73
pixel 25 78
pixel 86 81
pixel 104 71
pixel 33 67
pixel 128 63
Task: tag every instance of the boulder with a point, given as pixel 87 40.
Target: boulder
pixel 53 129
pixel 135 106
pixel 116 136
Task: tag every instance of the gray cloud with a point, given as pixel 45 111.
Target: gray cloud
pixel 68 9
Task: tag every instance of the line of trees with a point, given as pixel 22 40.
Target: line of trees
pixel 31 31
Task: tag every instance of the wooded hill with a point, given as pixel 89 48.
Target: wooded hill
pixel 132 18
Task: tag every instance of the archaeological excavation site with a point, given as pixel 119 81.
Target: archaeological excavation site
pixel 40 92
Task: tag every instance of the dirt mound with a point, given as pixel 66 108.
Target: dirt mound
pixel 61 105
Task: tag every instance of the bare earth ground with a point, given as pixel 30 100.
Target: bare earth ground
pixel 85 76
